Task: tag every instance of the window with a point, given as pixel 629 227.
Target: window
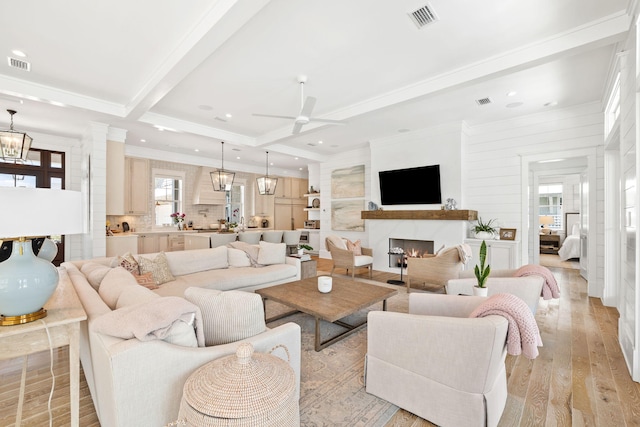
pixel 167 195
pixel 551 203
pixel 612 110
pixel 234 208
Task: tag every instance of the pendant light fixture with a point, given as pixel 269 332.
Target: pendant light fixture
pixel 266 184
pixel 14 145
pixel 222 179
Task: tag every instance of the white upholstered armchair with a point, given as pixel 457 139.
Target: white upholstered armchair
pixel 437 363
pixel 345 258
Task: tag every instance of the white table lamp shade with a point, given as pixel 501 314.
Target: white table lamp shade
pixel 39 212
pixel 27 281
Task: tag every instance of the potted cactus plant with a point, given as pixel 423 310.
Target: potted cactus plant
pixel 482 272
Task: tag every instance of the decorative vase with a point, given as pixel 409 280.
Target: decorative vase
pixel 484 235
pixel 26 281
pixel 480 292
pixel 324 284
pixel 300 252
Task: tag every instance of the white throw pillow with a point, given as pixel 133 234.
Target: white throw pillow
pixel 272 253
pixel 575 230
pixel 238 258
pixel 196 260
pixel 113 284
pixel 94 273
pixel 228 316
pixel 337 241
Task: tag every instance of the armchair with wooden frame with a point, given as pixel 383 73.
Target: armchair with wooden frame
pixel 345 258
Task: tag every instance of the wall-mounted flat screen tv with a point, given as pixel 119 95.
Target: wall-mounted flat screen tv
pixel 413 186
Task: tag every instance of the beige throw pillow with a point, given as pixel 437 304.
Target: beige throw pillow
pixel 158 266
pixel 337 241
pixel 252 251
pixel 272 253
pixel 238 258
pixel 228 316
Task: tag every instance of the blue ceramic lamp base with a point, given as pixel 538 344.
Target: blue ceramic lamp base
pixel 26 283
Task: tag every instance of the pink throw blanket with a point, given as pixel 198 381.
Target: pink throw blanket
pixel 550 287
pixel 523 335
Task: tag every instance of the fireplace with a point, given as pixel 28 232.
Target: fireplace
pixel 400 249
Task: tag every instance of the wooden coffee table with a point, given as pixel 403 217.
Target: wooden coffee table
pixel 346 297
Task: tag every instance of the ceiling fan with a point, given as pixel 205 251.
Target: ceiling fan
pixel 306 107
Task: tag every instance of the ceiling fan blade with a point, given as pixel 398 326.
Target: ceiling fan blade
pixel 297 128
pixel 332 122
pixel 307 108
pixel 273 116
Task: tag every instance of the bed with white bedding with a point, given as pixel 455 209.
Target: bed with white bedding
pixel 571 245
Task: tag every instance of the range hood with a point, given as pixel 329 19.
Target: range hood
pixel 204 194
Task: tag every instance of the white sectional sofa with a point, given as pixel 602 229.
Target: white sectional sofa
pixel 134 382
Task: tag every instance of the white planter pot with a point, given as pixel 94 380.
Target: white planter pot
pixel 484 235
pixel 300 252
pixel 480 292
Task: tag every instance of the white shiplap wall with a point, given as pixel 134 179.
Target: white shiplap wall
pixel 493 156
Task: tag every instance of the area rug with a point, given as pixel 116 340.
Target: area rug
pixel 332 389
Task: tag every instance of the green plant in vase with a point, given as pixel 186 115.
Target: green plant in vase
pixel 484 230
pixel 482 272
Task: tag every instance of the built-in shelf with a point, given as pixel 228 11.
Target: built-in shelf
pixel 446 215
pixel 311 209
pixel 312 195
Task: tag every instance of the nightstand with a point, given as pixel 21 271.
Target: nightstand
pixel 549 243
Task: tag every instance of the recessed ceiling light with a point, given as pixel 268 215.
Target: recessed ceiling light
pixel 57 104
pixel 237 157
pixel 296 158
pixel 228 115
pixel 19 53
pixel 319 142
pixel 143 140
pixel 196 150
pixel 271 164
pixel 515 104
pixel 551 104
pixel 512 93
pixel 300 169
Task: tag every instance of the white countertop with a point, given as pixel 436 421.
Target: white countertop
pixel 167 231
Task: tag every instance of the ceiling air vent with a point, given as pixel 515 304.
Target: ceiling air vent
pixel 423 16
pixel 18 63
pixel 483 101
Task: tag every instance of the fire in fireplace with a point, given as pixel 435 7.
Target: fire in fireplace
pixel 401 249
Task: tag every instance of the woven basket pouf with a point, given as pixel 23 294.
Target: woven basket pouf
pixel 245 389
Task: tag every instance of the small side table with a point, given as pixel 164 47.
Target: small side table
pixel 393 281
pixel 308 269
pixel 64 314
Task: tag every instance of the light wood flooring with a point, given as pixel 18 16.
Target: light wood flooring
pixel 579 379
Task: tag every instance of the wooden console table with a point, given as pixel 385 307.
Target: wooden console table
pixel 64 314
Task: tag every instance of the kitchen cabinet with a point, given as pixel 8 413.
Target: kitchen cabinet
pixel 291 188
pixel 501 254
pixel 197 241
pixel 153 242
pixel 204 194
pixel 263 205
pixel 136 188
pixel 289 215
pixel 121 244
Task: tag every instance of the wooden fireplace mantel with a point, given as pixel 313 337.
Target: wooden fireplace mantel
pixel 457 215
